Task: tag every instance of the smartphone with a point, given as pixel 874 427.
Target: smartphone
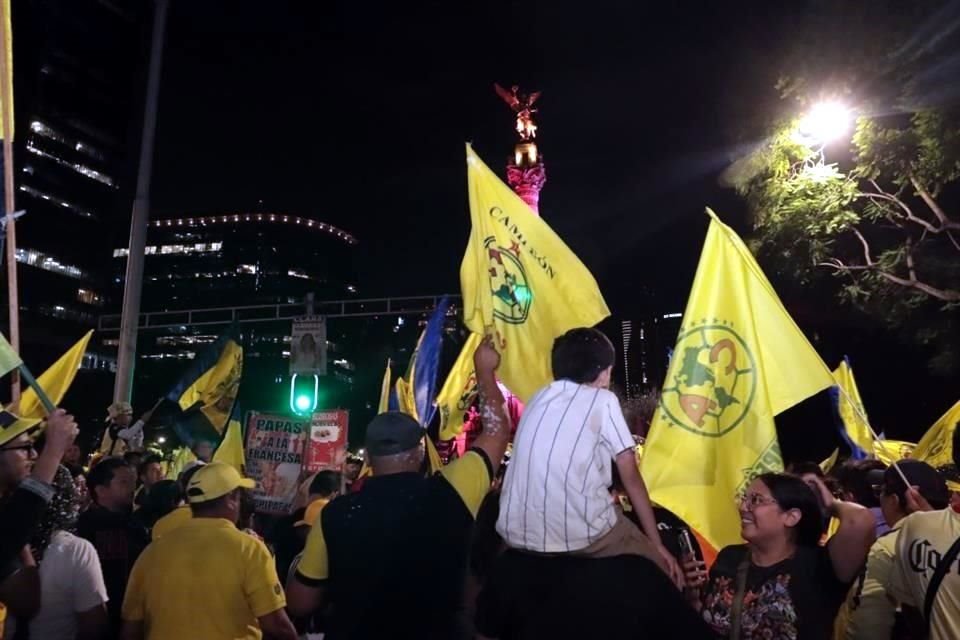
pixel 686 544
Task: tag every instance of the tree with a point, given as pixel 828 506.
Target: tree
pixel 882 217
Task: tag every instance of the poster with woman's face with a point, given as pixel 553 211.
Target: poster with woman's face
pixel 308 346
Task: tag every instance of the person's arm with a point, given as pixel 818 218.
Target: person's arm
pixel 92 624
pixel 60 433
pixel 277 626
pixel 851 543
pixel 21 590
pixel 493 410
pixel 640 501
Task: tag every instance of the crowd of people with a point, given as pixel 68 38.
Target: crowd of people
pixel 558 539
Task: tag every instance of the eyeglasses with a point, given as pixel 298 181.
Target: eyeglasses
pixel 752 500
pixel 18 447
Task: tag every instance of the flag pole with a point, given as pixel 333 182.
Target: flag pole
pixel 133 281
pixel 6 105
pixel 873 434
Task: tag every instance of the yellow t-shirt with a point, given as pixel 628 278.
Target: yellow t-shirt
pixel 924 539
pixel 205 579
pixel 171 521
pixel 869 611
pixel 470 478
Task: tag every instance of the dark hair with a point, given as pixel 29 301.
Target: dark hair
pixel 102 473
pixel 325 483
pixel 853 478
pixel 148 460
pixel 164 497
pixel 804 468
pixel 185 476
pixel 791 492
pixel 129 456
pixel 580 355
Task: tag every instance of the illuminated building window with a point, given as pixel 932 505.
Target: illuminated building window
pixel 82 169
pixel 111 342
pixel 89 297
pixel 36 193
pixel 49 263
pixel 66 313
pixel 179 341
pixel 256 217
pixel 173 249
pixel 297 273
pixel 48 132
pixel 247 268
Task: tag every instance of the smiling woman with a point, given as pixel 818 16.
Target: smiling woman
pixel 783 583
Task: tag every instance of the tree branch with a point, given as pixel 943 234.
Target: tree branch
pixel 945 221
pixel 910 215
pixel 947 295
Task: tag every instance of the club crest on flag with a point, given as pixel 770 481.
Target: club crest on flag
pixel 712 380
pixel 508 283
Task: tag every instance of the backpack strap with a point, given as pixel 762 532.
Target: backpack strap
pixel 938 575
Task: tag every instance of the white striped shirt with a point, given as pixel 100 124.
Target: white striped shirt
pixel 556 495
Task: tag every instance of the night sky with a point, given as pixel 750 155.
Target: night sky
pixel 356 113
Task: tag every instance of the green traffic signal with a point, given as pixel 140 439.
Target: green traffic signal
pixel 304 394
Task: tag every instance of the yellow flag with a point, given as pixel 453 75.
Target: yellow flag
pixel 458 391
pixel 215 391
pixel 407 402
pixel 384 405
pixel 830 462
pixel 231 447
pixel 890 451
pixel 9 359
pixel 181 458
pixel 6 95
pixel 520 282
pixel 854 427
pixel 739 360
pixel 936 446
pixel 433 456
pixel 56 380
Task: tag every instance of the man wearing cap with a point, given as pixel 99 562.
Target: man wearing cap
pixel 206 579
pixel 924 539
pixel 869 611
pixel 119 417
pixel 25 490
pixel 391 559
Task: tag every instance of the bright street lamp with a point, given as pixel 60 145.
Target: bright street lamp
pixel 161 439
pixel 824 123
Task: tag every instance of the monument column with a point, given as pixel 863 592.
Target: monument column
pixel 526 174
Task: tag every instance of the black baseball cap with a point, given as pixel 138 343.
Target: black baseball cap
pixel 928 481
pixel 391 433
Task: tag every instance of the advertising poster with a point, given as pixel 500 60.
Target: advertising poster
pixel 308 346
pixel 327 446
pixel 275 447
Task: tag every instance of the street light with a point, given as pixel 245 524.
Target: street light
pixel 161 439
pixel 824 123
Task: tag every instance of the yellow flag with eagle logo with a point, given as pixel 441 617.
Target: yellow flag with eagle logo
pixel 520 282
pixel 459 390
pixel 739 360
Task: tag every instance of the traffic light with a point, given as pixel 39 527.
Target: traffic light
pixel 304 393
